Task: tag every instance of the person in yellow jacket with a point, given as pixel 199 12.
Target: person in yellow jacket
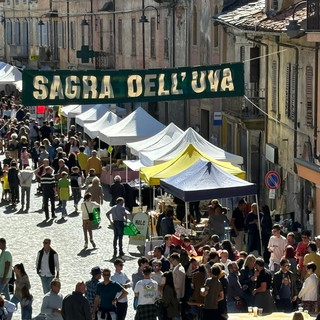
pixel 82 160
pixel 94 163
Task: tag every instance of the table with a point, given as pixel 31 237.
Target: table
pixel 272 316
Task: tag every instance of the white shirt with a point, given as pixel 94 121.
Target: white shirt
pixel 309 290
pixel 277 246
pixel 44 267
pixel 147 290
pixel 122 279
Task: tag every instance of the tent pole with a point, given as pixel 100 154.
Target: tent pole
pixel 259 224
pixel 187 209
pixel 154 196
pixel 126 170
pixel 140 196
pixel 110 169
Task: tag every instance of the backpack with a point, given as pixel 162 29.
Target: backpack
pixel 3 313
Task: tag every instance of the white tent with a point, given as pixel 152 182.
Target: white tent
pixel 136 126
pixel 78 109
pixel 66 109
pixel 93 129
pixel 164 137
pixel 10 76
pixel 190 136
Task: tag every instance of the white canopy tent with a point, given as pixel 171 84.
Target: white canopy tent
pixel 66 109
pixel 10 76
pixel 136 126
pixel 72 112
pixel 164 137
pixel 190 136
pixel 93 129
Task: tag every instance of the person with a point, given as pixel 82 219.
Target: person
pixel 224 260
pixel 3 310
pixel 217 221
pixel 21 281
pixel 266 227
pixel 234 292
pixel 89 177
pixel 117 190
pixel 309 291
pixel 167 247
pixel 26 304
pixel 25 178
pixel 179 275
pixel 75 305
pixel 91 286
pixel 52 301
pixel 302 246
pixel 95 189
pixel 46 264
pixel 120 277
pixel 82 160
pixel 299 316
pixel 87 207
pixel 5 268
pixel 156 273
pixel 76 182
pixel 247 278
pixel 95 163
pixel 284 287
pixel 5 186
pixel 291 240
pixel 277 246
pixel 195 211
pixel 13 180
pixel 311 256
pixel 290 256
pixel 105 302
pixel 253 230
pixel 48 186
pixel 64 191
pixel 213 293
pixel 169 298
pixel 166 224
pixel 119 216
pixel 237 223
pixel 157 255
pixel 263 298
pixel 24 158
pixel 147 292
pixel 142 262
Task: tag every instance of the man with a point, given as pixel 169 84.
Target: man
pixel 48 185
pixel 253 230
pixel 122 279
pixel 157 255
pixel 142 263
pixel 47 263
pixel 317 240
pixel 166 224
pixel 45 131
pixel 277 245
pixel 147 292
pixel 62 168
pixel 234 292
pixel 119 216
pixel 237 223
pixel 105 302
pixel 117 190
pixel 167 247
pixel 284 287
pixel 311 256
pixel 91 286
pixel 95 163
pixel 5 268
pixel 13 180
pixel 179 275
pixel 25 178
pixel 291 241
pixel 75 305
pixel 52 302
pixel 7 160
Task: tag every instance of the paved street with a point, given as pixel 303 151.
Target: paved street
pixel 25 232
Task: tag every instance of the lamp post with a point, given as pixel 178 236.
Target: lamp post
pixel 143 20
pixel 293 28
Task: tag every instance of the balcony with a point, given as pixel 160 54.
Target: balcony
pixel 313 16
pixel 104 60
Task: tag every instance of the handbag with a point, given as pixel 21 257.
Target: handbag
pixel 90 214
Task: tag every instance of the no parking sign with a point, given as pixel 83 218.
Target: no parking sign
pixel 273 180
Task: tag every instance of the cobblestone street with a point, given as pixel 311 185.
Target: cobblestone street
pixel 25 232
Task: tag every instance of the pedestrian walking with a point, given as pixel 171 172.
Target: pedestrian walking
pixel 64 192
pixel 119 216
pixel 5 268
pixel 47 264
pixel 25 178
pixel 91 286
pixel 48 186
pixel 76 182
pixel 116 190
pixel 277 246
pixel 13 180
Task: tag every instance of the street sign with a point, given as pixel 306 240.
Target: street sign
pixel 273 180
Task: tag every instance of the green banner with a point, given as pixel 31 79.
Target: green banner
pixel 63 87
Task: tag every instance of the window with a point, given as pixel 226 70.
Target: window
pixel 195 26
pixel 275 5
pixel 166 39
pixel 133 37
pixel 30 32
pixel 153 38
pixel 17 33
pixel 17 2
pixel 111 47
pixel 287 93
pixel 101 34
pixel 64 28
pixel 254 64
pixel 242 53
pixel 309 96
pixel 120 36
pixel 60 25
pixel 83 31
pixel 45 32
pixel 293 92
pixel 215 30
pixel 9 32
pixel 290 94
pixel 274 86
pixel 72 36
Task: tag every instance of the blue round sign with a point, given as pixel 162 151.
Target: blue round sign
pixel 273 180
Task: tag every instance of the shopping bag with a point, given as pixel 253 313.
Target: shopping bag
pixel 130 229
pixel 96 216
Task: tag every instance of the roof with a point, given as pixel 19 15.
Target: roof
pixel 252 17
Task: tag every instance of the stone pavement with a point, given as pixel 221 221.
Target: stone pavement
pixel 24 233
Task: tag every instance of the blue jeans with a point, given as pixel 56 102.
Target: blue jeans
pixel 25 192
pixel 14 300
pixel 26 312
pixel 112 314
pixel 46 283
pixel 64 207
pixel 4 288
pixel 118 227
pixel 231 307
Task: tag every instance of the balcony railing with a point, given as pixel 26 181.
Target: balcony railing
pixel 313 16
pixel 104 60
pixel 250 110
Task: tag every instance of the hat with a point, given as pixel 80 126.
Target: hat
pixel 317 238
pixel 95 271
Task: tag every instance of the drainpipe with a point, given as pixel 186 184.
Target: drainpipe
pixel 294 47
pixel 68 32
pixel 316 97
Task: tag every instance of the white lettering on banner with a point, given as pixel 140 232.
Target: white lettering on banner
pixel 89 85
pixel 227 82
pixel 134 86
pixel 162 91
pixel 194 82
pixel 106 88
pixel 56 88
pixel 73 91
pixel 213 77
pixel 149 84
pixel 39 85
pixel 174 79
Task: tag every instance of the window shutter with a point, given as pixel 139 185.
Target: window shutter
pixel 293 92
pixel 309 96
pixel 287 95
pixel 9 32
pixel 242 53
pixel 60 34
pixel 30 32
pixel 274 86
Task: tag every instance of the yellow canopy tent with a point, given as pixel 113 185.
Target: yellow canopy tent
pixel 152 175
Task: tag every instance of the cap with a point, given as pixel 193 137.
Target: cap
pixel 95 271
pixel 317 238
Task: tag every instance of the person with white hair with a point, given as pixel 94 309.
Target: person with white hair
pixel 117 190
pixel 25 178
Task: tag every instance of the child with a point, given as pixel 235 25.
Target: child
pixel 24 157
pixel 64 194
pixel 5 186
pixel 91 175
pixel 75 180
pixel 26 304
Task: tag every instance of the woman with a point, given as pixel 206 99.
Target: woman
pixel 87 207
pixel 263 297
pixel 247 279
pixel 13 146
pixel 48 148
pixel 21 280
pixel 96 190
pixel 266 227
pixel 169 298
pixel 74 146
pixel 233 253
pixel 217 221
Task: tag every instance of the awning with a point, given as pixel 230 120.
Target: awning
pixel 308 170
